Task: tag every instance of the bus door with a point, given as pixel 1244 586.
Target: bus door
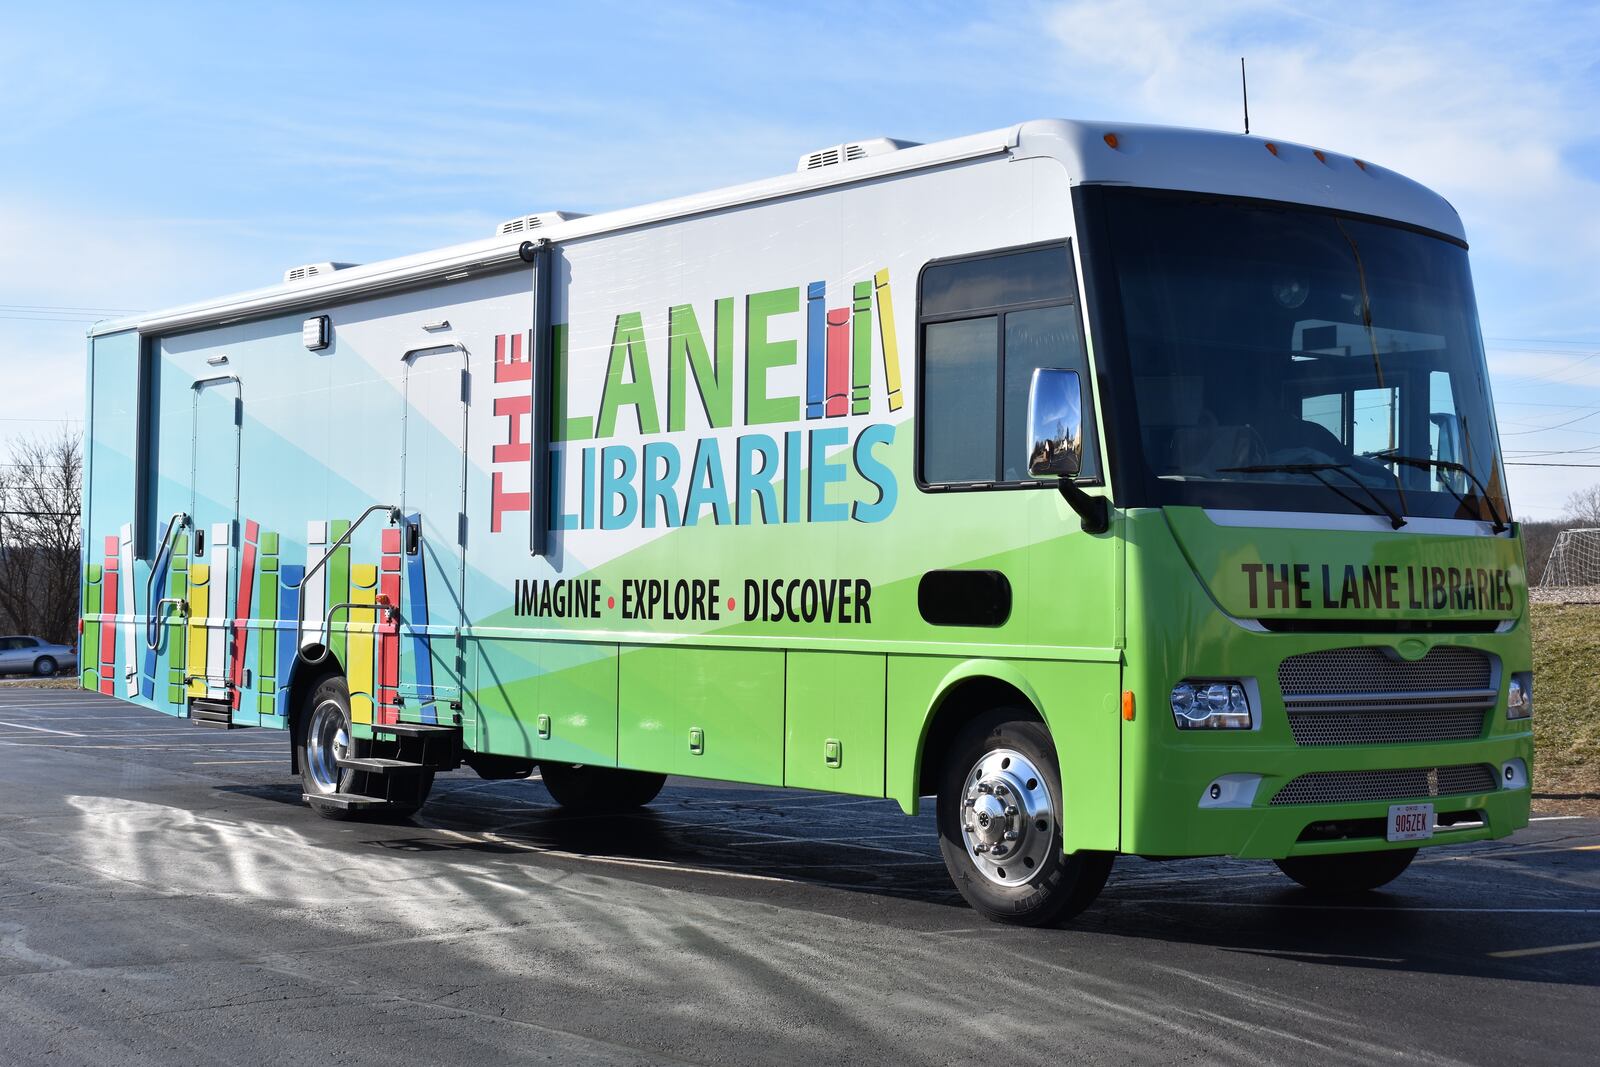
pixel 433 504
pixel 216 426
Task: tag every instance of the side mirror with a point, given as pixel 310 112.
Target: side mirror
pixel 1055 424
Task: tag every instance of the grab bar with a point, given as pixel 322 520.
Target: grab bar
pixel 344 539
pixel 179 521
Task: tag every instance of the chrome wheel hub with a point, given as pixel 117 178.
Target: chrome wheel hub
pixel 1007 819
pixel 327 739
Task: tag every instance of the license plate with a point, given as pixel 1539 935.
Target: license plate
pixel 1410 822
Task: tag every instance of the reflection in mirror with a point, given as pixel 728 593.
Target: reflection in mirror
pixel 1055 423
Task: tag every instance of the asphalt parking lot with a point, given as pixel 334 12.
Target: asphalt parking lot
pixel 165 897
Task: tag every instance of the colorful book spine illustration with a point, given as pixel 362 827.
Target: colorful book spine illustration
pixel 90 643
pixel 199 606
pixel 338 583
pixel 389 628
pixel 816 342
pixel 838 362
pixel 242 607
pixel 217 640
pixel 177 625
pixel 289 587
pixel 130 611
pixel 109 583
pixel 891 346
pixel 359 666
pixel 311 591
pixel 417 616
pixel 861 351
pixel 267 636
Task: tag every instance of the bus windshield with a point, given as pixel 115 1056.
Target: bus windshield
pixel 1287 358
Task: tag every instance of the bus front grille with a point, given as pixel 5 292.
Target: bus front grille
pixel 1384 728
pixel 1370 696
pixel 1344 787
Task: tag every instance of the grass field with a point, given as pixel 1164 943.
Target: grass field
pixel 1566 698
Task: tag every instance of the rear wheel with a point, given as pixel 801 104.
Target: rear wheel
pixel 589 790
pixel 323 736
pixel 1000 813
pixel 44 666
pixel 1352 872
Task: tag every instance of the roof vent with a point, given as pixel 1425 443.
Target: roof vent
pixel 851 151
pixel 312 270
pixel 524 223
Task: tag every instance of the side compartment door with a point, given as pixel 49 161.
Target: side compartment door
pixel 433 500
pixel 216 422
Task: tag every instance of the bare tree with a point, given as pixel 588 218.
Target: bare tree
pixel 41 541
pixel 1583 507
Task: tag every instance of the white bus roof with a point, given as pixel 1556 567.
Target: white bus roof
pixel 1160 157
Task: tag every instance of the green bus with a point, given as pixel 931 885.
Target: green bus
pixel 1128 490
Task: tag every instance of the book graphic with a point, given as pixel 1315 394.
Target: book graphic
pixel 838 362
pixel 816 353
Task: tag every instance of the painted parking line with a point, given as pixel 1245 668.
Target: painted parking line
pixel 1393 909
pixel 1544 950
pixel 40 729
pixel 220 762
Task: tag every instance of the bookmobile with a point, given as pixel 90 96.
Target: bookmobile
pixel 1128 490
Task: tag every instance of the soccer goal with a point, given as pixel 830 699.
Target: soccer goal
pixel 1575 560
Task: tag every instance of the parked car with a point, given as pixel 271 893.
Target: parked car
pixel 30 655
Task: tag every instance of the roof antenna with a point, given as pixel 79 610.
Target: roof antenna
pixel 1244 88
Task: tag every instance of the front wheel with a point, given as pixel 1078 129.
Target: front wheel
pixel 1351 872
pixel 1000 813
pixel 588 790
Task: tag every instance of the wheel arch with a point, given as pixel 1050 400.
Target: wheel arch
pixel 969 689
pixel 314 663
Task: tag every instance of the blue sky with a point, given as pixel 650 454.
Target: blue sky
pixel 157 154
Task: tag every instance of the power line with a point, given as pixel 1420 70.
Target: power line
pixel 1557 426
pixel 1521 463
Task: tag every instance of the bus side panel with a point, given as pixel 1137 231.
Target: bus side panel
pixel 834 722
pixel 113 583
pixel 548 700
pixel 702 712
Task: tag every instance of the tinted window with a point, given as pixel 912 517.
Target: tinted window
pixel 976 368
pixel 960 362
pixel 994 281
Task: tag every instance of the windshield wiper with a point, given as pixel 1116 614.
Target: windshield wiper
pixel 1316 470
pixel 1389 455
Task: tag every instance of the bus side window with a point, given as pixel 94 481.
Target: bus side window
pixel 987 323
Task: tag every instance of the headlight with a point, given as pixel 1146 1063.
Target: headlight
pixel 1211 706
pixel 1519 698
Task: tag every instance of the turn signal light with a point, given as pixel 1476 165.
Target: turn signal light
pixel 1127 705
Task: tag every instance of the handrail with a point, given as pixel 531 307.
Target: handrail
pixel 344 539
pixel 153 626
pixel 348 605
pixel 152 629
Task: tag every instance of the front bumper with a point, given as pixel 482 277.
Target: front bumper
pixel 1177 816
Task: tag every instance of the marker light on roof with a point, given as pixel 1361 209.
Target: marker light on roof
pixel 1320 157
pixel 1272 148
pixel 1110 140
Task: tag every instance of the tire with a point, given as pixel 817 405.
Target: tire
pixel 44 667
pixel 1353 872
pixel 1000 758
pixel 588 790
pixel 322 732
